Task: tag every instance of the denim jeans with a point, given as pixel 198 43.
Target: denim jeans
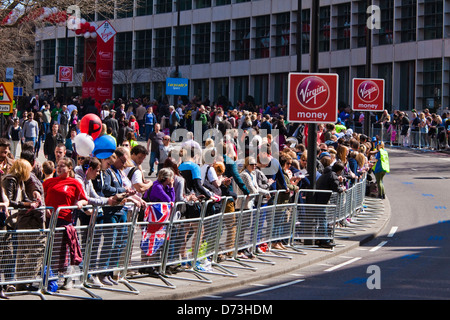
pixel 115 240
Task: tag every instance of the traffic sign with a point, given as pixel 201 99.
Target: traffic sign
pixel 18 91
pixel 368 95
pixel 313 97
pixel 6 96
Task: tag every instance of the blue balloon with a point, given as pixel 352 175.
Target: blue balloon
pixel 105 146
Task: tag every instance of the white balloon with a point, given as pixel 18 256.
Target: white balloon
pixel 93 35
pixel 87 35
pixel 83 20
pixel 84 144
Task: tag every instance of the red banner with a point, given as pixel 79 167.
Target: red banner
pixel 98 77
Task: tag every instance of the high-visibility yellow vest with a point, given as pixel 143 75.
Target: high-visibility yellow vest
pixel 383 163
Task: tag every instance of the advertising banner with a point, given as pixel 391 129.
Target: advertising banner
pixel 313 97
pixel 368 95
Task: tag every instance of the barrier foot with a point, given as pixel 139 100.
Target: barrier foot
pixel 240 265
pixel 92 296
pixel 167 284
pixel 38 293
pixel 200 277
pixel 125 282
pixel 225 272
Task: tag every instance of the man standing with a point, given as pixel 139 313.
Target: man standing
pixel 47 119
pixel 174 119
pixel 111 122
pixel 164 151
pixel 30 129
pixel 53 139
pixel 140 118
pixel 63 121
pixel 134 174
pixel 156 139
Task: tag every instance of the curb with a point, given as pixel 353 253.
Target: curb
pixel 187 292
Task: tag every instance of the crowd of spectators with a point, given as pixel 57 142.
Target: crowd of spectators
pixel 190 170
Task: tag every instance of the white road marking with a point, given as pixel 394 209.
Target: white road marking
pixel 378 246
pixel 392 232
pixel 270 288
pixel 342 264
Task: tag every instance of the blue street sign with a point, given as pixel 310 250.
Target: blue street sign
pixel 18 91
pixel 177 86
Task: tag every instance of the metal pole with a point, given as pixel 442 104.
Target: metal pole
pixel 314 68
pixel 368 69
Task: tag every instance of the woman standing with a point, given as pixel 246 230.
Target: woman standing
pixel 64 190
pixel 30 247
pixel 381 168
pixel 14 134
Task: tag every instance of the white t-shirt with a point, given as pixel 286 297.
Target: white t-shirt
pixel 212 175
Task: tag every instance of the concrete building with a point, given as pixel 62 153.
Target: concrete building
pixel 237 48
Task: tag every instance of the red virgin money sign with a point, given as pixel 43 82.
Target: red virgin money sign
pixel 313 97
pixel 368 95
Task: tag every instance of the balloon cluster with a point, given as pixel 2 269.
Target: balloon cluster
pixel 51 15
pixel 90 141
pixel 82 27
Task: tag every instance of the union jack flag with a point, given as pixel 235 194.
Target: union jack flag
pixel 154 233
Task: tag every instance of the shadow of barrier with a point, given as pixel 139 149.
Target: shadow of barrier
pixel 154 246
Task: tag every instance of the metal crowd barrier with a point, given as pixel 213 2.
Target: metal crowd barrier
pixel 196 247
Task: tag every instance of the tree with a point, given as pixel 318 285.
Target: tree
pixel 19 20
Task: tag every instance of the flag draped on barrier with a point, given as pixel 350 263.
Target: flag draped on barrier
pixel 154 233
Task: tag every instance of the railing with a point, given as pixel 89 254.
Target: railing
pixel 207 244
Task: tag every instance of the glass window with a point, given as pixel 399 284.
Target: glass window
pixel 433 19
pixel 144 8
pixel 202 4
pixel 262 37
pixel 306 30
pixel 184 45
pixel 282 36
pixel 432 82
pixel 386 35
pixel 80 54
pixel 202 43
pixel 143 49
pixel 163 6
pixel 49 57
pixel 123 51
pixel 343 26
pixel 408 21
pixel 325 32
pixel 70 52
pixel 242 39
pixel 222 41
pixel 163 47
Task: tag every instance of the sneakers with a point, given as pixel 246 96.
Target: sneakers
pixel 93 279
pixel 104 280
pixel 68 284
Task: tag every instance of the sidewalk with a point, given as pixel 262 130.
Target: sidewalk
pixel 365 227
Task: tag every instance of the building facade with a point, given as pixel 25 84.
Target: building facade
pixel 240 48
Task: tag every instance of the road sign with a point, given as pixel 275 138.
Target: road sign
pixel 313 97
pixel 18 91
pixel 368 95
pixel 65 74
pixel 6 96
pixel 9 74
pixel 106 31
